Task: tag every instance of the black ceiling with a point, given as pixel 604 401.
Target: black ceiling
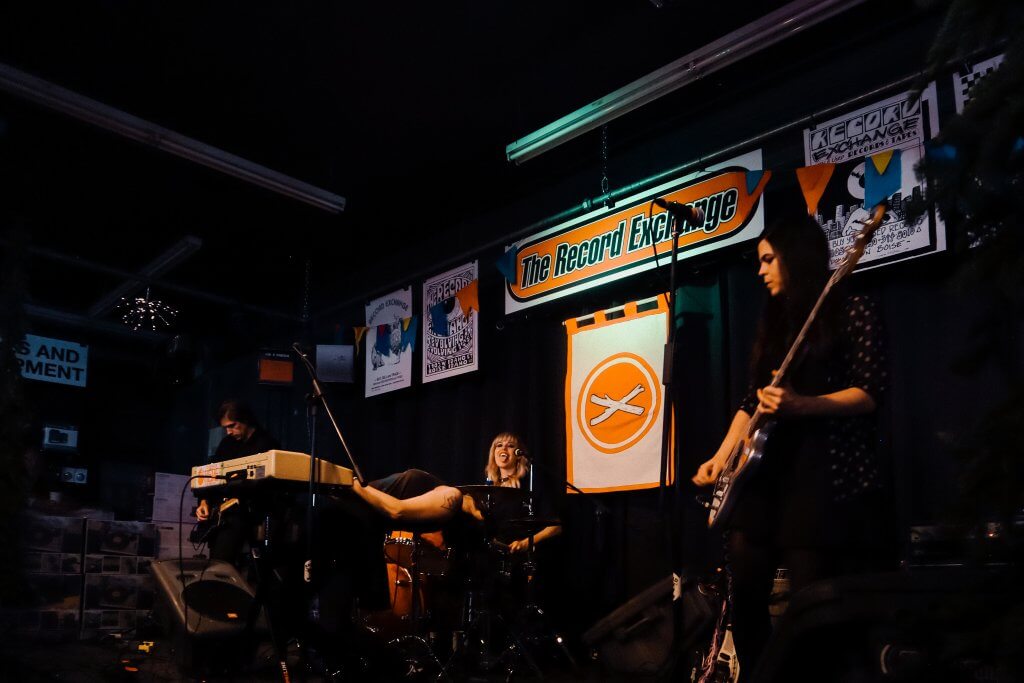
pixel 402 108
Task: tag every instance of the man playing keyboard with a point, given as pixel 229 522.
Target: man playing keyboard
pixel 243 436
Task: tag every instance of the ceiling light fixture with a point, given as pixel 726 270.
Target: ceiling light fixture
pixel 741 43
pixel 145 313
pixel 52 96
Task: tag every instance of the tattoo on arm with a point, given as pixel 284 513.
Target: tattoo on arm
pixel 451 501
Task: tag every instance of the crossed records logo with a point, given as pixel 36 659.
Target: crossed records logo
pixel 619 402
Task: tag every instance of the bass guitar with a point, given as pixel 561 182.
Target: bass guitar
pixel 203 529
pixel 745 457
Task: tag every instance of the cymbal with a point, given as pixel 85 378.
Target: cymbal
pixel 530 525
pixel 481 491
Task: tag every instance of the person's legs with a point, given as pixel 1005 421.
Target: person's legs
pixel 437 505
pixel 752 567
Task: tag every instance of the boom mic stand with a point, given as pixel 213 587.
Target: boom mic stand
pixel 600 510
pixel 317 395
pixel 677 212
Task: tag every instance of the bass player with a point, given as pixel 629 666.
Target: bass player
pixel 814 504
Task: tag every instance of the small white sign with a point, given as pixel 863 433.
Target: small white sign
pixel 53 360
pixel 334 362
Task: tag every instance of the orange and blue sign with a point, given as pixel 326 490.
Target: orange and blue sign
pixel 610 244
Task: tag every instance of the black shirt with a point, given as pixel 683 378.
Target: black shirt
pixel 858 361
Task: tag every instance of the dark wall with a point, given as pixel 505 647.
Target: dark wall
pixel 132 416
pixel 445 426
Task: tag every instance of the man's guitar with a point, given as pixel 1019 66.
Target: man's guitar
pixel 201 531
pixel 749 450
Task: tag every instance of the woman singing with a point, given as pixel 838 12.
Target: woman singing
pixel 507 466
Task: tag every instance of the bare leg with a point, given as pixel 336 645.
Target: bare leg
pixel 437 505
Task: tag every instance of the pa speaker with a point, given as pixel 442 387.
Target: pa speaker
pixel 640 636
pixel 205 599
pixel 204 607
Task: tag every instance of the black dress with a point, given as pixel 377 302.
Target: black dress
pixel 817 481
pixel 814 505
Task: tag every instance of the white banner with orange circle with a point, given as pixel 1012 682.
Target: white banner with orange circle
pixel 614 398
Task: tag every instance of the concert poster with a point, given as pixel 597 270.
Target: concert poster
pixel 847 141
pixel 450 334
pixel 388 364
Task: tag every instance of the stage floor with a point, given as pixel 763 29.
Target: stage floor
pixel 113 659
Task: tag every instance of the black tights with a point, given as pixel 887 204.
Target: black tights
pixel 753 564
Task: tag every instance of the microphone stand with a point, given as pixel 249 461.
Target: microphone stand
pixel 316 396
pixel 667 370
pixel 667 450
pixel 599 508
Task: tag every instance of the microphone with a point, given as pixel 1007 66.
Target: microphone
pixel 694 215
pixel 519 452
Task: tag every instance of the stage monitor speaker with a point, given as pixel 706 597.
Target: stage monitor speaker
pixel 919 625
pixel 639 637
pixel 218 599
pixel 213 638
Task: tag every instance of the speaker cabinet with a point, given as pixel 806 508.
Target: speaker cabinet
pixel 640 636
pixel 215 597
pixel 204 606
pixel 923 624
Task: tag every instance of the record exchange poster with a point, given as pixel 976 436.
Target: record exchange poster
pixel 894 123
pixel 388 364
pixel 449 332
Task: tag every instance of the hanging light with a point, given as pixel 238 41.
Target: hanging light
pixel 146 313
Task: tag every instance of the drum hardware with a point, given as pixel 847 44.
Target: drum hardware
pixel 488 497
pixel 472 642
pixel 413 542
pixel 531 623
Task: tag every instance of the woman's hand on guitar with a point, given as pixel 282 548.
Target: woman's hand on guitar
pixel 708 472
pixel 519 546
pixel 203 511
pixel 781 400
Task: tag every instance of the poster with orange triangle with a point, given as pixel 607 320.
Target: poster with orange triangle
pixel 614 398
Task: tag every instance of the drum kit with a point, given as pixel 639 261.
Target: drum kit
pixel 462 604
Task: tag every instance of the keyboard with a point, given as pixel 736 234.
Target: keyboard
pixel 286 466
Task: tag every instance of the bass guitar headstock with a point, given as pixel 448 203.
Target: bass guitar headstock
pixel 863 236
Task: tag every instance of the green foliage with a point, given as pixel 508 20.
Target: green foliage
pixel 977 186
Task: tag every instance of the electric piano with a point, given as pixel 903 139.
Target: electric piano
pixel 280 466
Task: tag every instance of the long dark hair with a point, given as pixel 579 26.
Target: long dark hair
pixel 802 250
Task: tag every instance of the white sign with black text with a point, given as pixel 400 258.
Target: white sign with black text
pixel 53 360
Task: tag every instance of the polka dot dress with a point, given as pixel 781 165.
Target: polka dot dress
pixel 852 456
